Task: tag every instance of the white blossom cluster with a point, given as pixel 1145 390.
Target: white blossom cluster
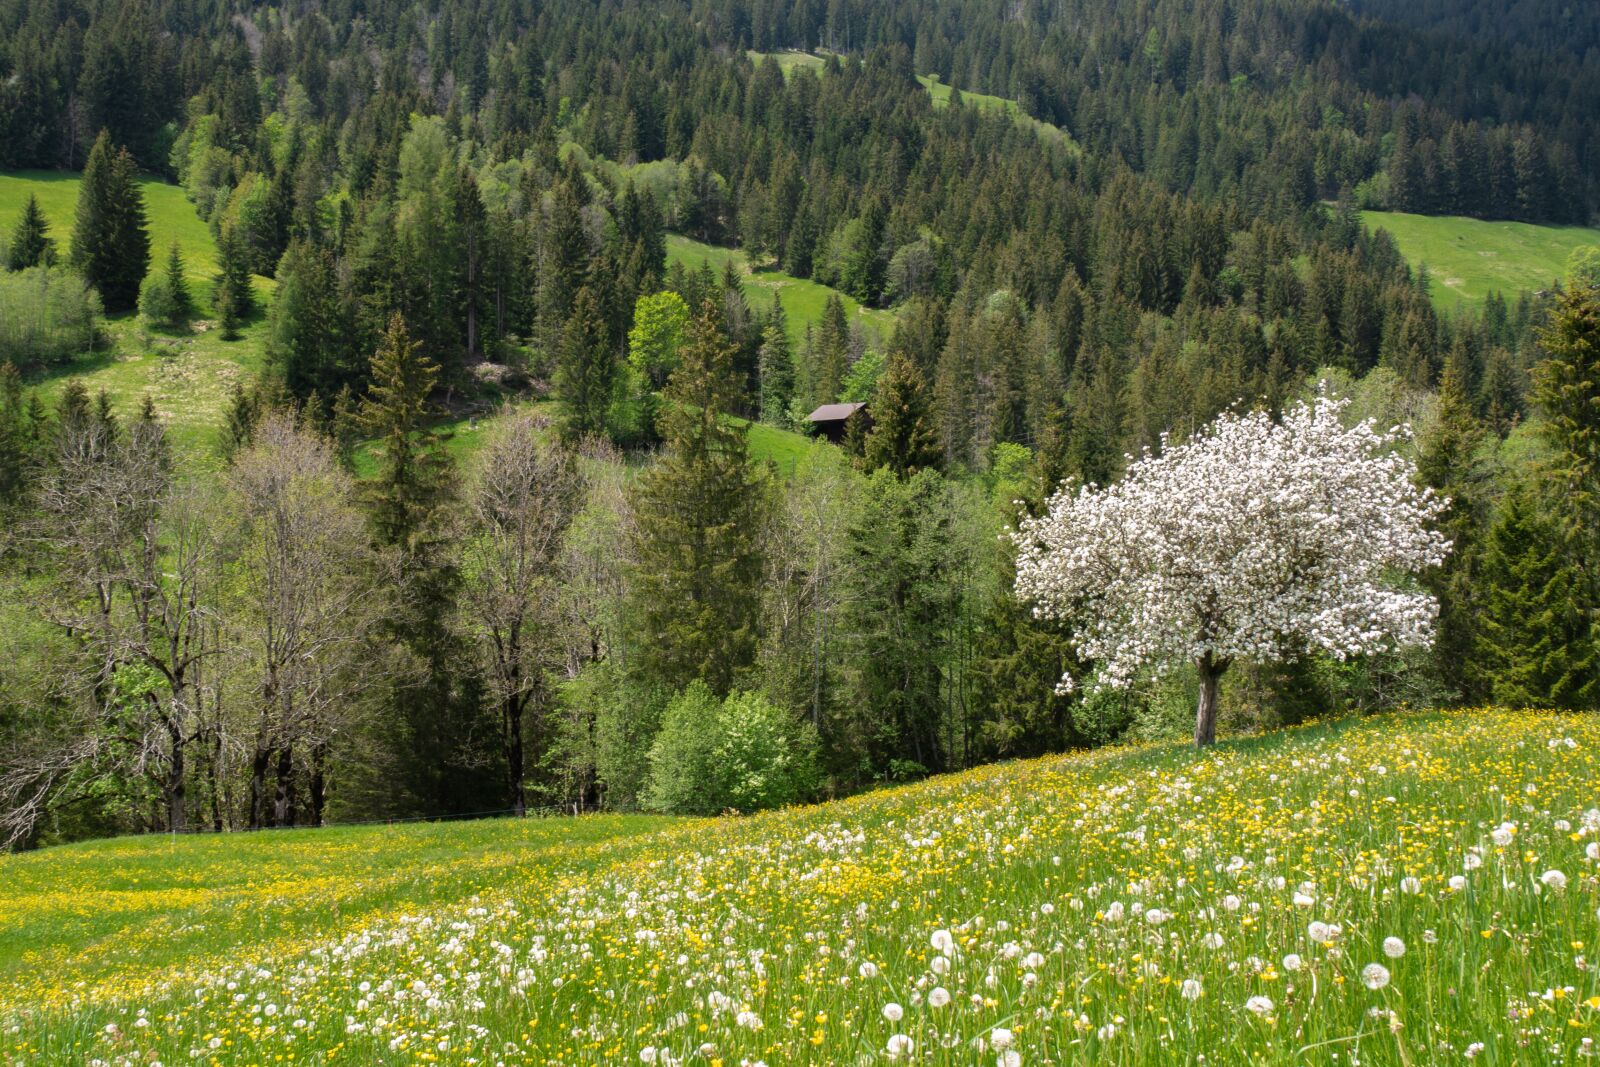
pixel 1254 539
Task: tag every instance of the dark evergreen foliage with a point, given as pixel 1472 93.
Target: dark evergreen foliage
pixel 110 240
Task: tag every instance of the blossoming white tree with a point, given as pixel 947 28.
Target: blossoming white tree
pixel 1253 541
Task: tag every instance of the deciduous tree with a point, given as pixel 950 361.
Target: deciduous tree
pixel 1255 540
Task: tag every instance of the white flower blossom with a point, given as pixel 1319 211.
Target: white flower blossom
pixel 1255 538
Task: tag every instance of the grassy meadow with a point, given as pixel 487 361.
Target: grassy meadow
pixel 1467 259
pixel 802 298
pixel 939 91
pixel 1403 889
pixel 189 375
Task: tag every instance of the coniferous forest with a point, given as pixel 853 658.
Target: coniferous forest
pixel 332 611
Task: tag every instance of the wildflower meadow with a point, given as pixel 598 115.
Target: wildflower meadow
pixel 1408 889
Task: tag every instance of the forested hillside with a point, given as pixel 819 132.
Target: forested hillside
pixel 534 290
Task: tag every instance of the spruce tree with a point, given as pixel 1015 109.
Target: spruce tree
pixel 832 351
pixel 1566 384
pixel 30 244
pixel 231 297
pixel 178 285
pixel 307 333
pixel 586 374
pixel 412 479
pixel 563 262
pixel 1536 643
pixel 775 367
pixel 701 507
pixel 1447 462
pixel 110 244
pixel 16 439
pixel 902 437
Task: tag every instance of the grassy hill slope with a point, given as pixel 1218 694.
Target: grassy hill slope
pixel 1470 258
pixel 792 60
pixel 802 298
pixel 1396 888
pixel 190 376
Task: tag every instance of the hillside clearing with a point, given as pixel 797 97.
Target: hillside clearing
pixel 1121 906
pixel 939 91
pixel 188 375
pixel 803 300
pixel 1467 259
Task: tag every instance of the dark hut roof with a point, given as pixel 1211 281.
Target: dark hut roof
pixel 834 412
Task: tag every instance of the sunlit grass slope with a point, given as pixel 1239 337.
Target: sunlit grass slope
pixel 188 375
pixel 939 92
pixel 1404 890
pixel 1468 259
pixel 803 300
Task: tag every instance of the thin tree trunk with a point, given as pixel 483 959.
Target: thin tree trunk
pixel 1205 718
pixel 513 713
pixel 174 788
pixel 283 802
pixel 258 785
pixel 215 781
pixel 319 781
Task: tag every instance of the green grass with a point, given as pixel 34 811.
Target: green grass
pixel 1125 906
pixel 171 216
pixel 190 376
pixel 803 300
pixel 985 103
pixel 1468 259
pixel 782 448
pixel 791 61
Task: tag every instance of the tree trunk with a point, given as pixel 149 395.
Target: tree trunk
pixel 283 802
pixel 174 789
pixel 318 786
pixel 216 782
pixel 513 726
pixel 1205 717
pixel 258 786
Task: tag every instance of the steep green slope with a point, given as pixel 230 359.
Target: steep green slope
pixel 189 375
pixel 803 299
pixel 1469 258
pixel 1396 887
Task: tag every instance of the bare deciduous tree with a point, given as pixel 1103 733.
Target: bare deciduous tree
pixel 520 501
pixel 136 554
pixel 305 608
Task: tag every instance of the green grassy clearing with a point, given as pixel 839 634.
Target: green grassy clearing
pixel 803 300
pixel 791 60
pixel 1399 887
pixel 1467 259
pixel 190 376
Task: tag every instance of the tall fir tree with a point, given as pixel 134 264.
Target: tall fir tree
pixel 1536 642
pixel 110 242
pixel 439 732
pixel 1566 384
pixel 178 285
pixel 563 262
pixel 832 351
pixel 308 341
pixel 413 476
pixel 1448 463
pixel 231 297
pixel 30 244
pixel 586 368
pixel 902 437
pixel 775 368
pixel 701 508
